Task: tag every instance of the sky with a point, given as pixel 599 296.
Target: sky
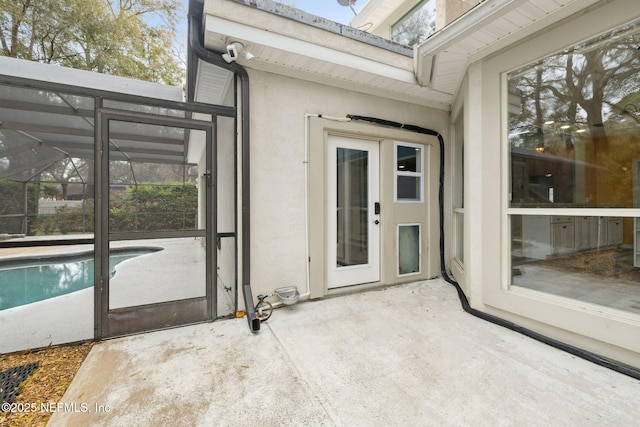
pixel 329 9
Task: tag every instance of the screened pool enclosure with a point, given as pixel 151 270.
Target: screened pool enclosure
pixel 91 166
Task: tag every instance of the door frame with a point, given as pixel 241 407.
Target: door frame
pixel 148 317
pixel 342 276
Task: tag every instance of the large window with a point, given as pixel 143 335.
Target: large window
pixel 574 143
pixel 417 25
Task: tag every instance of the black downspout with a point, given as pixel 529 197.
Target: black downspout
pixel 599 360
pixel 215 58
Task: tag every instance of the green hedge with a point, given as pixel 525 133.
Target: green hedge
pixel 135 208
pixel 154 208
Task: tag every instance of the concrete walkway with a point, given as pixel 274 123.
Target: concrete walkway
pixel 405 355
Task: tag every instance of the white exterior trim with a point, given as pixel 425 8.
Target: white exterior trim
pixel 397 173
pixel 240 31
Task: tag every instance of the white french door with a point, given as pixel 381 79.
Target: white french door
pixel 353 225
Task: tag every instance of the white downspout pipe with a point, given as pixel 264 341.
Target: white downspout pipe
pixel 305 162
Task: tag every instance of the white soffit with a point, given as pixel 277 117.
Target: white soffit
pixel 309 61
pixel 441 60
pixel 212 83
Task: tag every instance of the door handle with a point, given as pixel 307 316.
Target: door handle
pixel 207 176
pixel 376 222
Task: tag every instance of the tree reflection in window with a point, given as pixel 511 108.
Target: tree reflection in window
pixel 574 124
pixel 415 26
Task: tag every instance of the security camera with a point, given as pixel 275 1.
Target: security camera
pixel 235 51
pixel 232 53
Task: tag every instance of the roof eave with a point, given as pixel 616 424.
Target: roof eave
pixel 446 53
pixel 292 48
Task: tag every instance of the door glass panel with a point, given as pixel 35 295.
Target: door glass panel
pixel 408 249
pixel 157 221
pixel 352 207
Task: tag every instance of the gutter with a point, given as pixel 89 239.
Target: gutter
pixel 196 48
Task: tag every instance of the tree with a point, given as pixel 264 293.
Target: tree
pixel 67 171
pixel 130 38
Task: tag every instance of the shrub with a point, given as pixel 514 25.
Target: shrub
pixel 154 208
pixel 136 208
pixel 73 220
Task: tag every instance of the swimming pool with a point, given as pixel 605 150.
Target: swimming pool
pixel 29 280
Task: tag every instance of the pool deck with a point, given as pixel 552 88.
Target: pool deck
pixel 403 355
pixel 176 272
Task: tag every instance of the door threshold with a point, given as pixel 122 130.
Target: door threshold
pixel 350 289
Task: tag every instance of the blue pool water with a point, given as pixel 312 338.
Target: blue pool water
pixel 26 281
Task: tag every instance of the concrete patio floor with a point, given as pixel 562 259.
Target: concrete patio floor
pixel 405 355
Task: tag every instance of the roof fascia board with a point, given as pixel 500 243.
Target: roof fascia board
pixel 240 31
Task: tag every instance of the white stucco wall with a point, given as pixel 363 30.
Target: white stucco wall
pixel 278 107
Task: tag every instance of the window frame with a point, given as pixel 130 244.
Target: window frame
pixel 398 173
pixel 457 168
pixel 605 330
pixel 551 211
